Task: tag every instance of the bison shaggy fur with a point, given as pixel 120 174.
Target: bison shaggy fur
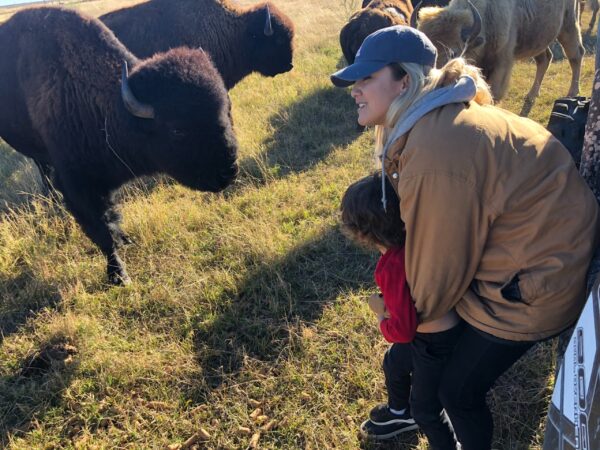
pixel 63 103
pixel 377 14
pixel 237 39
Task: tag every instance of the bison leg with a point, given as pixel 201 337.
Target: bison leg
pixel 592 21
pixel 499 76
pixel 570 39
pixel 47 176
pixel 112 217
pixel 93 211
pixel 542 62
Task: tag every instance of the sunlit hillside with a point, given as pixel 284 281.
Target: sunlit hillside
pixel 246 325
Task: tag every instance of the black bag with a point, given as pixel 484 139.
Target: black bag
pixel 567 123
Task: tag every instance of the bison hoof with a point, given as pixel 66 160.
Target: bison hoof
pixel 117 275
pixel 119 279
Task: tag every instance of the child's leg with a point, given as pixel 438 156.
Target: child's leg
pixel 430 353
pixel 397 367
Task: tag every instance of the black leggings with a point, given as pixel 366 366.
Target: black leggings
pixel 453 370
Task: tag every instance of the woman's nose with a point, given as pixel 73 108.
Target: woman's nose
pixel 354 92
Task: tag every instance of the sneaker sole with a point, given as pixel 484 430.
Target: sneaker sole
pixel 382 437
pixel 389 422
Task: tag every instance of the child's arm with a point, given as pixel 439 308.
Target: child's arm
pixel 402 323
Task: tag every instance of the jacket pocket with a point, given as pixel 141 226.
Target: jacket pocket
pixel 511 290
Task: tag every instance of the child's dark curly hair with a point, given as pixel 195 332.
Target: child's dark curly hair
pixel 363 217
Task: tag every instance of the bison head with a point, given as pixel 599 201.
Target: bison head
pixel 179 109
pixel 364 22
pixel 455 30
pixel 269 40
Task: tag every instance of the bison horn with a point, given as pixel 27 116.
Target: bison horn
pixel 133 105
pixel 414 17
pixel 268 26
pixel 469 34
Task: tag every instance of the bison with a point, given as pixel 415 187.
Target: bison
pixel 493 34
pixel 594 6
pixel 375 15
pixel 415 3
pixel 240 41
pixel 68 101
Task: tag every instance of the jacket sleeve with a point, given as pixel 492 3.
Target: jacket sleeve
pixel 446 230
pixel 402 324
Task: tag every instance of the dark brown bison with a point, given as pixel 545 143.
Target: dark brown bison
pixel 377 14
pixel 415 3
pixel 240 41
pixel 67 101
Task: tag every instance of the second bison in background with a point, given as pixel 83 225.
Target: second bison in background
pixel 66 102
pixel 492 34
pixel 240 41
pixel 377 14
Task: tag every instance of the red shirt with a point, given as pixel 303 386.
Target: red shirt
pixel 390 276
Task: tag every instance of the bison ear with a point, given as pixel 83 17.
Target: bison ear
pixel 268 26
pixel 132 104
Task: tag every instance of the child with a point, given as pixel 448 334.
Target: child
pixel 365 221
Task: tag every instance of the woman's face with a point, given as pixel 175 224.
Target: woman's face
pixel 374 95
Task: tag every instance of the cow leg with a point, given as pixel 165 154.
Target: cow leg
pixel 570 39
pixel 542 62
pixel 95 214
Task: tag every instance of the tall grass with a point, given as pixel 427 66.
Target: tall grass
pixel 244 301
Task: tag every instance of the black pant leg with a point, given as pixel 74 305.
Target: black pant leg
pixel 475 365
pixel 430 354
pixel 397 367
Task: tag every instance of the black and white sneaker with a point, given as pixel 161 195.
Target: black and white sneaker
pixel 384 424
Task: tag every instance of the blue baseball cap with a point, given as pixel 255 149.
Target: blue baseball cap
pixel 382 47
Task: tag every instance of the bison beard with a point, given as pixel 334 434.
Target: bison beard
pixel 239 40
pixel 67 101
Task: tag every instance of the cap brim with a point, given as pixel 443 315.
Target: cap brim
pixel 354 72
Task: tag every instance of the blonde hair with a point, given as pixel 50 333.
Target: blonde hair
pixel 422 80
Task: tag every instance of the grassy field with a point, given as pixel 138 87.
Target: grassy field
pixel 246 325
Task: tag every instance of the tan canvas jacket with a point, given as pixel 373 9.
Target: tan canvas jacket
pixel 499 224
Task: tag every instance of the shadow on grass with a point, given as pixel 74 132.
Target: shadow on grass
pixel 408 441
pixel 21 297
pixel 37 383
pixel 301 140
pixel 27 396
pixel 277 295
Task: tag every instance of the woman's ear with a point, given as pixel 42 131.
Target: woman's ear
pixel 404 83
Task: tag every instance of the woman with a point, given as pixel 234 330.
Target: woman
pixel 499 224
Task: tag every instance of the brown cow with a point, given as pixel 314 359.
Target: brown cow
pixel 495 33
